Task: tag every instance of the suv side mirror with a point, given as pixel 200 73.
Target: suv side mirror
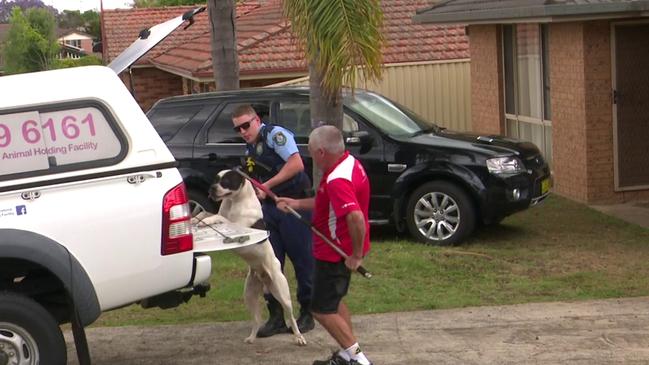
pixel 357 138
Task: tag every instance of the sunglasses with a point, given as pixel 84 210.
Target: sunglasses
pixel 243 126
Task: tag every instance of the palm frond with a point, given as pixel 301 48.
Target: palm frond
pixel 339 35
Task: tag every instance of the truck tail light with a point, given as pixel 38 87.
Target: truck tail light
pixel 176 222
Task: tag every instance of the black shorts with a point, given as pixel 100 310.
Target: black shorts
pixel 330 285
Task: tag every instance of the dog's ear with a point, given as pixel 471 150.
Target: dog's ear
pixel 232 180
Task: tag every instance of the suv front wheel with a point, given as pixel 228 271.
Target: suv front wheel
pixel 440 213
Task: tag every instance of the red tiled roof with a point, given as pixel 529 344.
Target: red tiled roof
pixel 195 58
pixel 409 42
pixel 122 27
pixel 266 44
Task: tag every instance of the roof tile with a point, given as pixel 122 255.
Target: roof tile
pixel 266 44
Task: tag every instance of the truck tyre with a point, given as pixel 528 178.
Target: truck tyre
pixel 28 333
pixel 199 202
pixel 440 213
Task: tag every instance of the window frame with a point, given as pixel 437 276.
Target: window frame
pixel 236 138
pixel 545 95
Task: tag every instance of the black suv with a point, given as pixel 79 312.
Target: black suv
pixel 436 183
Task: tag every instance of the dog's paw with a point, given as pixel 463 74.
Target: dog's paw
pixel 249 339
pixel 200 216
pixel 212 220
pixel 216 219
pixel 300 340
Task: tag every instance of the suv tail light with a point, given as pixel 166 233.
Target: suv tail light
pixel 176 222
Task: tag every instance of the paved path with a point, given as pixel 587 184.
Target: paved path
pixel 590 332
pixel 633 212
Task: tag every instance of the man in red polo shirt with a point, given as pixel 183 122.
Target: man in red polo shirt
pixel 340 212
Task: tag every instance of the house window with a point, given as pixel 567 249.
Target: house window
pixel 527 88
pixel 73 42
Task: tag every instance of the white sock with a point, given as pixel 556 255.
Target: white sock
pixel 355 353
pixel 342 353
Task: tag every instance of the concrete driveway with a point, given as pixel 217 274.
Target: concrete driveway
pixel 591 332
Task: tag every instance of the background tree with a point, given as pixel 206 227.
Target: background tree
pixel 75 62
pixel 91 24
pixel 87 22
pixel 225 58
pixel 31 43
pixel 71 19
pixel 337 36
pixel 7 5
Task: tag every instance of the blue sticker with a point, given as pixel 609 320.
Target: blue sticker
pixel 21 209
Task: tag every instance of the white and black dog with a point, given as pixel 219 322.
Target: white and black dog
pixel 239 204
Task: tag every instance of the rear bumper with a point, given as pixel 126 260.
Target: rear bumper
pixel 202 269
pixel 198 285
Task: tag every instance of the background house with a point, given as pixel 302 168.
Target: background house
pixel 427 66
pixel 74 44
pixel 571 76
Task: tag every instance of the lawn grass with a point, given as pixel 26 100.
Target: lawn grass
pixel 560 250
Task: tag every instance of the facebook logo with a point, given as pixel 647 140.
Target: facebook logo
pixel 21 209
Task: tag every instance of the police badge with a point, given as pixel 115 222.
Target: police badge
pixel 259 148
pixel 279 138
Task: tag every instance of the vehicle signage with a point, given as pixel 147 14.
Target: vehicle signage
pixel 33 141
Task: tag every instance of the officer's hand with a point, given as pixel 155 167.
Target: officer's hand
pixel 284 203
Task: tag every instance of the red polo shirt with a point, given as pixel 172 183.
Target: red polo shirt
pixel 343 189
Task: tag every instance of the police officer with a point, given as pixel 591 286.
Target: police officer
pixel 273 158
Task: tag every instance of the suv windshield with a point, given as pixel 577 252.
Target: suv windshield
pixel 391 118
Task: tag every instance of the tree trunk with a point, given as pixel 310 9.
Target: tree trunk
pixel 225 60
pixel 324 109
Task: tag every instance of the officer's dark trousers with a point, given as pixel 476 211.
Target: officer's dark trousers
pixel 292 238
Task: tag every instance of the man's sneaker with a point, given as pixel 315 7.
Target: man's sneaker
pixel 335 359
pixel 354 362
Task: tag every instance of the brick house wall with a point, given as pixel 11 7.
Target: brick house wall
pixel 487 103
pixel 599 112
pixel 86 45
pixel 567 83
pixel 582 111
pixel 152 84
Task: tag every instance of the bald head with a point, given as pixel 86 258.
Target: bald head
pixel 328 138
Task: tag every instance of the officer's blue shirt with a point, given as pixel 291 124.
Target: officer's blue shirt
pixel 282 141
pixel 271 154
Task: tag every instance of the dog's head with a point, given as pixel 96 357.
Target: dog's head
pixel 226 184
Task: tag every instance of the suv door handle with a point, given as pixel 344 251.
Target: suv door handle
pixel 140 178
pixel 211 156
pixel 30 195
pixel 353 140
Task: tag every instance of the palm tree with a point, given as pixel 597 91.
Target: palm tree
pixel 337 36
pixel 225 60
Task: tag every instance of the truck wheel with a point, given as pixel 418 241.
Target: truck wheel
pixel 200 202
pixel 440 213
pixel 29 335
